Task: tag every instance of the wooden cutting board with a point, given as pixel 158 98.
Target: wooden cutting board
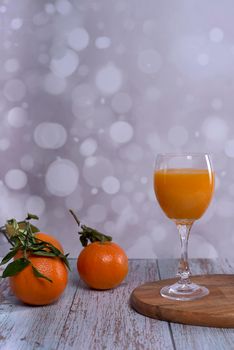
pixel 213 310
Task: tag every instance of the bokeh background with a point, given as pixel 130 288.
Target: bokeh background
pixel 91 91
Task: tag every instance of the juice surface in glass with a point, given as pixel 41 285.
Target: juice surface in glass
pixel 184 193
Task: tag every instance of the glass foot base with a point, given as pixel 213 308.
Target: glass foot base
pixel 184 292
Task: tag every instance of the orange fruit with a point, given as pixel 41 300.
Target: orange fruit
pixel 35 290
pixel 102 265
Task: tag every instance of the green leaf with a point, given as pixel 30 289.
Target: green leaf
pixel 22 238
pixel 3 231
pixel 15 225
pixel 11 228
pixel 32 217
pixel 55 250
pixel 23 226
pixel 9 256
pixel 88 233
pixel 34 229
pixel 39 274
pixel 83 241
pixel 16 242
pixel 34 247
pixel 92 235
pixel 22 231
pixel 66 262
pixel 60 255
pixel 15 267
pixel 43 253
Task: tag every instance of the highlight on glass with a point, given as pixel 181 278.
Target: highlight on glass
pixel 184 186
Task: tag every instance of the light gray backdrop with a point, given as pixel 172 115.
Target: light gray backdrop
pixel 91 91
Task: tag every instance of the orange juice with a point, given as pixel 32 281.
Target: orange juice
pixel 184 193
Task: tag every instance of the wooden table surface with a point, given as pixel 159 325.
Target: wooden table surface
pixel 88 319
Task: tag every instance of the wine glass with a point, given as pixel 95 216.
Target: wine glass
pixel 184 185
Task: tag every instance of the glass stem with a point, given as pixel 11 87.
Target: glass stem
pixel 183 269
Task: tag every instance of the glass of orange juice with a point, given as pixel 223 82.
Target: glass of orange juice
pixel 184 185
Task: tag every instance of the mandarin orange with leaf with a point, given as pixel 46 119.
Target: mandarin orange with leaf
pixel 38 273
pixel 102 264
pixel 34 290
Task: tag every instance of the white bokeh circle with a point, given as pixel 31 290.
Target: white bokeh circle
pixel 3 9
pixel 102 42
pixel 216 35
pixel 50 135
pixel 88 147
pixel 16 179
pixel 121 132
pixel 62 177
pixel 11 65
pixel 65 65
pixel 49 8
pixel 16 23
pixel 17 117
pixel 109 79
pixel 110 184
pixel 78 39
pixel 64 7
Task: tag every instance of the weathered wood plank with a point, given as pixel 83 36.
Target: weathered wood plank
pixel 26 327
pixel 192 337
pixel 104 319
pixel 87 319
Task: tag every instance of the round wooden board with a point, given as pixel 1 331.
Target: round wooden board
pixel 213 310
